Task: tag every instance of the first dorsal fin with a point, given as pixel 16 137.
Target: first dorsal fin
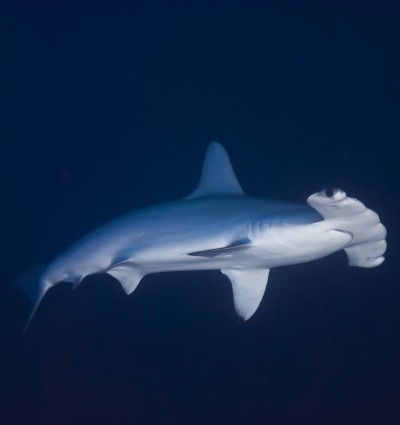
pixel 217 176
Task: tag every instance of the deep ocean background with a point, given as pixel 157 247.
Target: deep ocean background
pixel 107 108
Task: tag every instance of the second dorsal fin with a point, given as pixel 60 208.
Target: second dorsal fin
pixel 217 176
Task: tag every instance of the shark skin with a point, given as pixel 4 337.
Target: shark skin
pixel 218 227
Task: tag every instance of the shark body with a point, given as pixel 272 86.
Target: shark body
pixel 218 227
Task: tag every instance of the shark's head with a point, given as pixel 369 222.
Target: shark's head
pixel 351 216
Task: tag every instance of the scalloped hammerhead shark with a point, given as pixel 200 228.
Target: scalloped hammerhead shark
pixel 218 227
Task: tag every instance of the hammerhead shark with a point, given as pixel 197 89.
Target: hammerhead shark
pixel 218 227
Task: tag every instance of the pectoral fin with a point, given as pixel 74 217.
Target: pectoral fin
pixel 248 287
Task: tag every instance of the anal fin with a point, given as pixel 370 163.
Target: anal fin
pixel 248 287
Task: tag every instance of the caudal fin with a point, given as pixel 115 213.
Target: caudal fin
pixel 34 287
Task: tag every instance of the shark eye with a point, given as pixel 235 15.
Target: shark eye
pixel 330 193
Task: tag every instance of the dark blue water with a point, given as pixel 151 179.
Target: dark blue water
pixel 109 109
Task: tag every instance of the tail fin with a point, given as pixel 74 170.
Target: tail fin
pixel 34 287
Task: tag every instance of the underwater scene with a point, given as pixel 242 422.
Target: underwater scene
pixel 199 213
